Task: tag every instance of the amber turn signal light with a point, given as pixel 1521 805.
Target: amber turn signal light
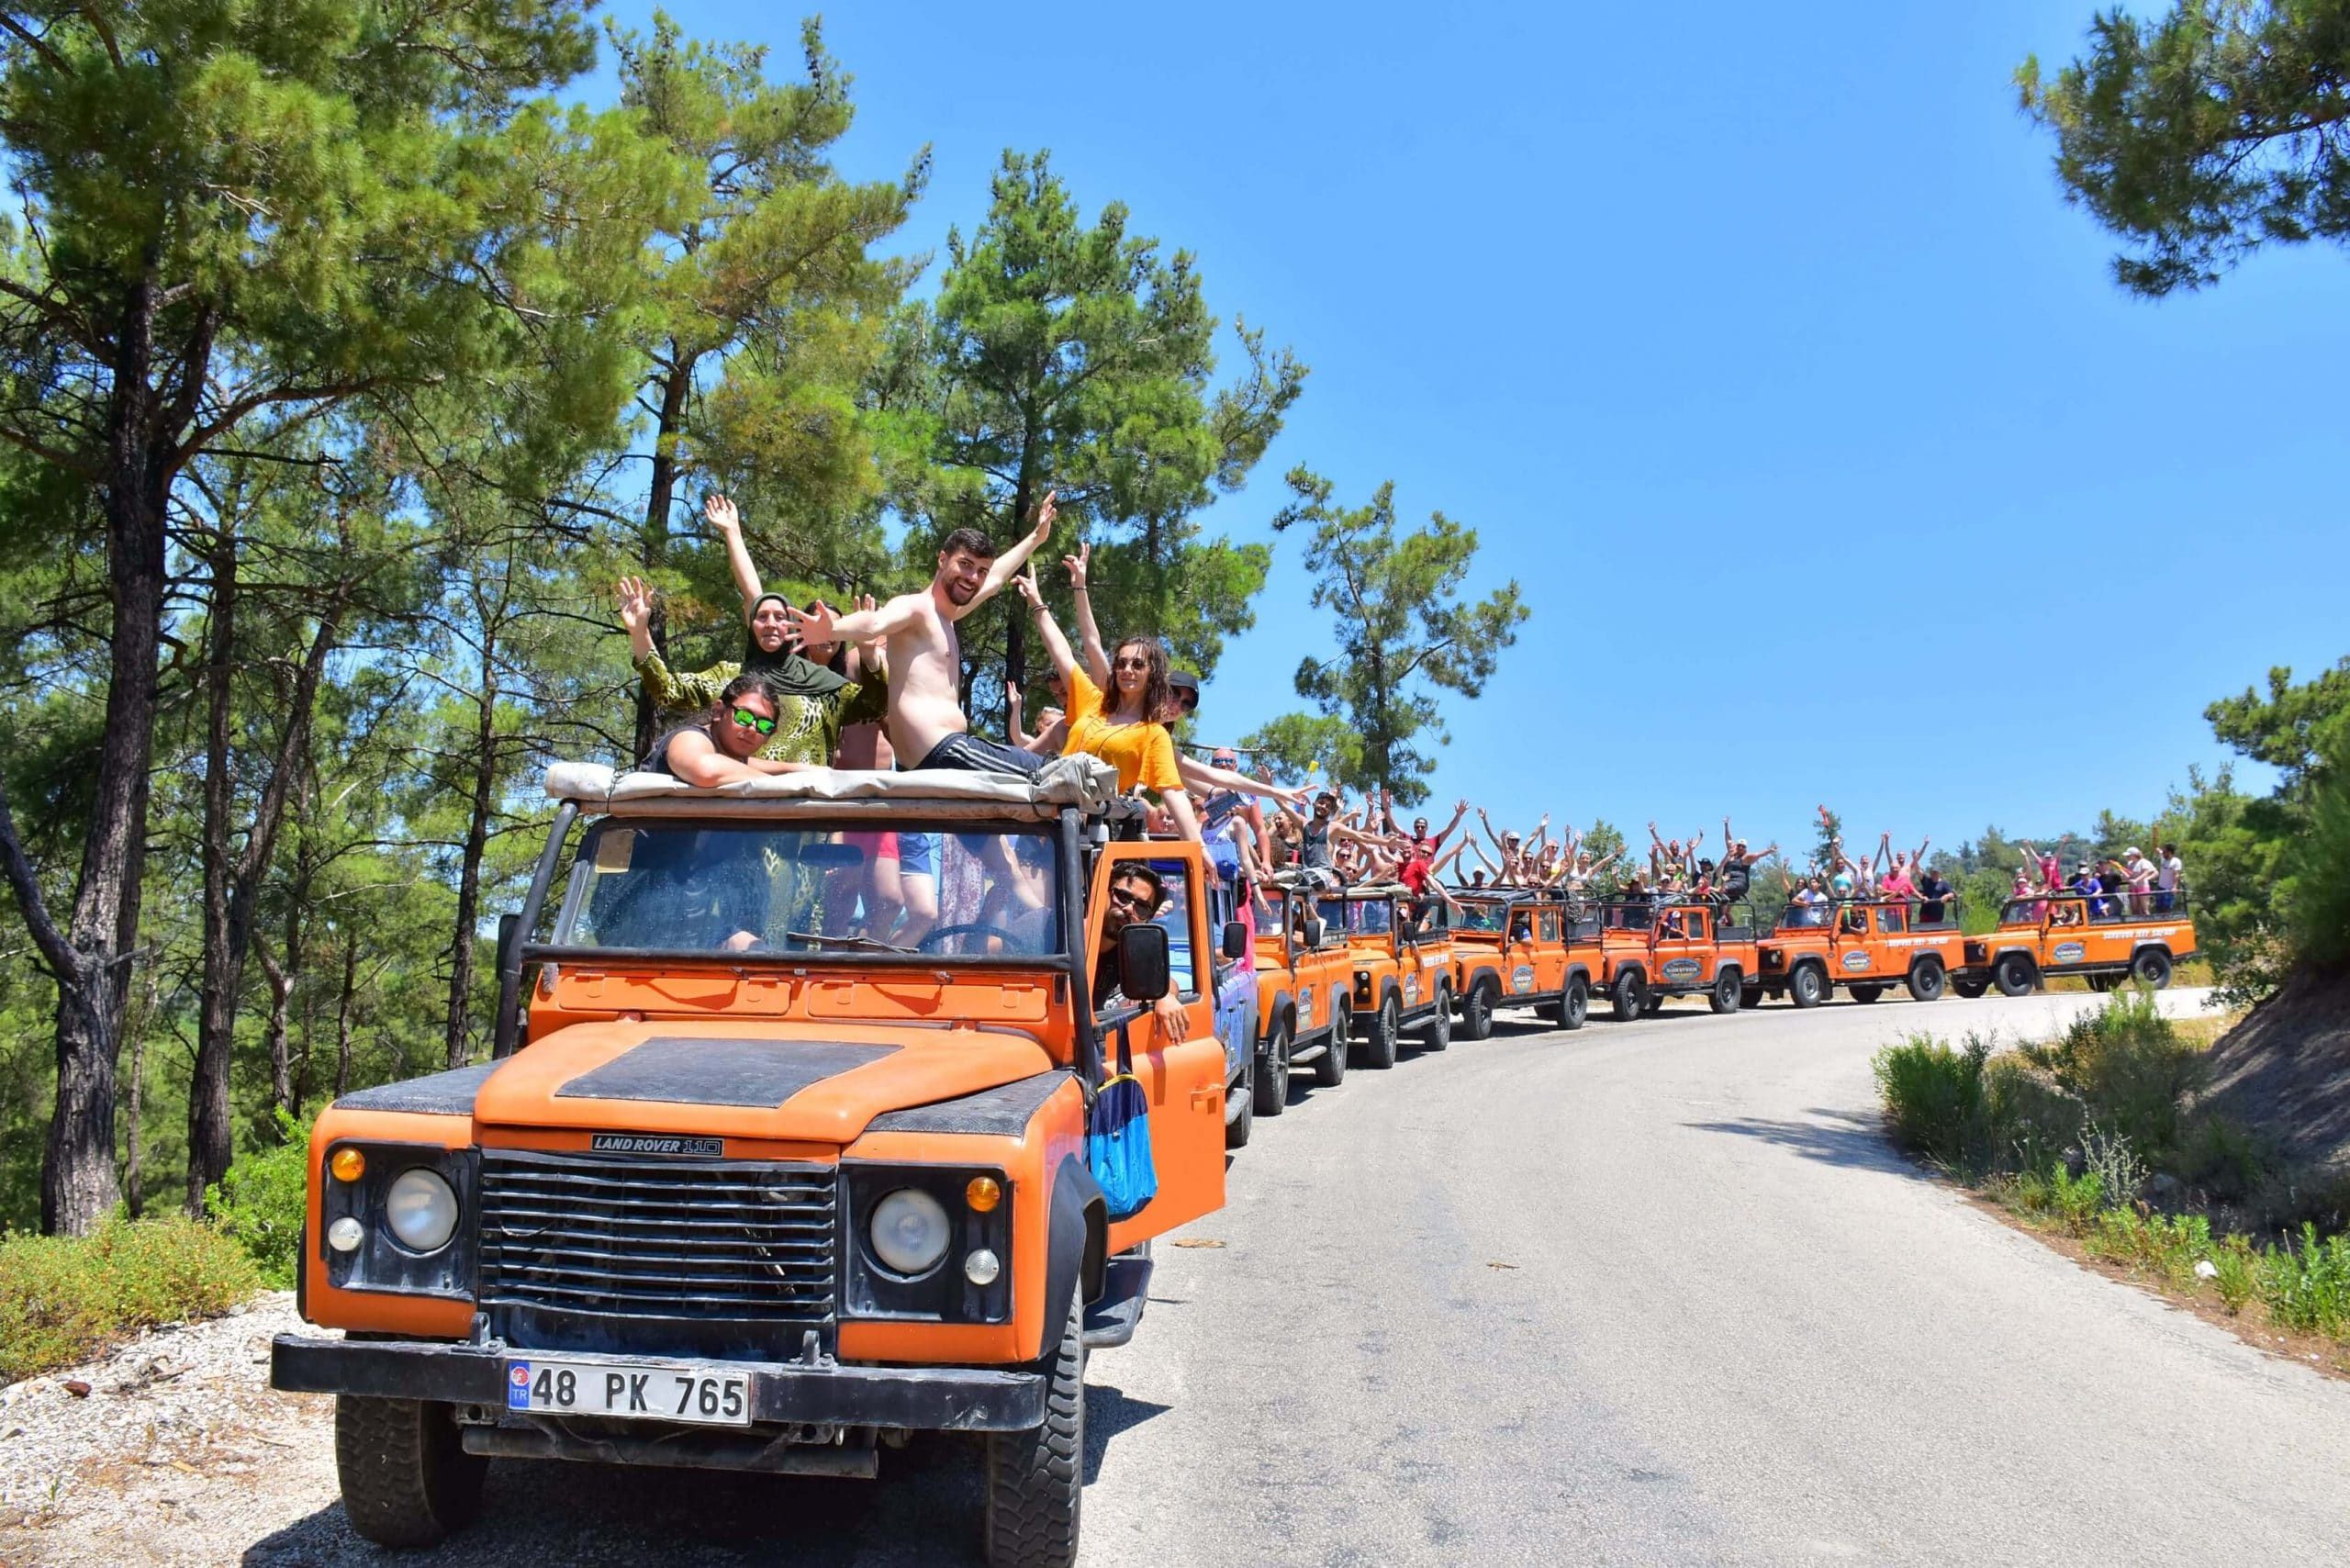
pixel 348 1165
pixel 983 1194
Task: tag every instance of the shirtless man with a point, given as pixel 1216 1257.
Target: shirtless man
pixel 925 655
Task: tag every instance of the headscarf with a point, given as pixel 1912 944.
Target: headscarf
pixel 789 674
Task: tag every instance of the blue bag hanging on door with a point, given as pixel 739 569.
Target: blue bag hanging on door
pixel 1117 1138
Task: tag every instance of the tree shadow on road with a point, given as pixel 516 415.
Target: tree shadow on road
pixel 1832 1137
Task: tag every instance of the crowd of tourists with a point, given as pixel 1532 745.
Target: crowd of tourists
pixel 878 686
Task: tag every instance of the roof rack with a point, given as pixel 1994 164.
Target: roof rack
pixel 1085 783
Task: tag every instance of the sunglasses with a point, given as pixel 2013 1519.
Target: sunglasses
pixel 1224 762
pixel 750 720
pixel 1130 664
pixel 1129 898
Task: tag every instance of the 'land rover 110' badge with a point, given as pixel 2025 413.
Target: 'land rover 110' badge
pixel 654 1143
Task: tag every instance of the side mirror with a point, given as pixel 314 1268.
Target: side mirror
pixel 510 935
pixel 1311 930
pixel 1142 962
pixel 1236 939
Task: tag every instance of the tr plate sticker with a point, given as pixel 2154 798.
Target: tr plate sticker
pixel 2069 952
pixel 1856 960
pixel 654 1143
pixel 517 1385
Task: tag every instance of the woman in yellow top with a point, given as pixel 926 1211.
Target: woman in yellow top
pixel 1119 727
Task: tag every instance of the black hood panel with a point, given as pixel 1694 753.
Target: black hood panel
pixel 685 1069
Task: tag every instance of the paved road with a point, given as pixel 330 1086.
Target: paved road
pixel 1646 1293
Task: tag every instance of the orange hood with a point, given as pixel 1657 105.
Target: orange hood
pixel 816 1083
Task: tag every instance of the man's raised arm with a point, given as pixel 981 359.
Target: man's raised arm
pixel 1009 564
pixel 825 625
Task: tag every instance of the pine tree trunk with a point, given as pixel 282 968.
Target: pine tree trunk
pixel 208 1131
pixel 134 1183
pixel 281 1066
pixel 485 799
pixel 675 386
pixel 342 1014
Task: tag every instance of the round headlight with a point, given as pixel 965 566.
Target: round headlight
pixel 345 1234
pixel 421 1211
pixel 909 1231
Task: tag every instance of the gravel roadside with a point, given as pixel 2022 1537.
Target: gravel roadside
pixel 172 1449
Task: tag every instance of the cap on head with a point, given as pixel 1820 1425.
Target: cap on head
pixel 1186 688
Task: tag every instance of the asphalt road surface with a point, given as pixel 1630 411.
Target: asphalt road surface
pixel 1645 1294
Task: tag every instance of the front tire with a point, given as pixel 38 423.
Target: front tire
pixel 1808 985
pixel 1270 1090
pixel 1330 1067
pixel 1237 1127
pixel 1386 1027
pixel 1574 1004
pixel 406 1477
pixel 1437 1033
pixel 1727 992
pixel 1865 991
pixel 1477 1012
pixel 1970 989
pixel 1035 1479
pixel 2151 968
pixel 1926 977
pixel 1625 996
pixel 2012 973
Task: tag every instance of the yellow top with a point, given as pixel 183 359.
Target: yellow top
pixel 1142 754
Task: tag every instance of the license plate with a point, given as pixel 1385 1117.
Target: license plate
pixel 630 1390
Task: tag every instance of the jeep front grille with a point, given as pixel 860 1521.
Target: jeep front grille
pixel 658 1256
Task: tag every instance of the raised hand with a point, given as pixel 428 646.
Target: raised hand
pixel 820 624
pixel 1025 583
pixel 636 605
pixel 1045 516
pixel 1078 564
pixel 721 514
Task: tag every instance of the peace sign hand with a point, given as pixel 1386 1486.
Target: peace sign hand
pixel 1078 564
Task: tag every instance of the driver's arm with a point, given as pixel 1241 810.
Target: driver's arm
pixel 695 761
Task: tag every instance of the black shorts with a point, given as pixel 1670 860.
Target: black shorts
pixel 971 754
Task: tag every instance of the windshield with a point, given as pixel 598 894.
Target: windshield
pixel 1628 917
pixel 1355 917
pixel 1802 916
pixel 2022 912
pixel 1475 916
pixel 763 887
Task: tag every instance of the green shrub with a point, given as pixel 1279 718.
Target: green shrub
pixel 2308 1287
pixel 1934 1098
pixel 2034 1122
pixel 2075 1200
pixel 64 1297
pixel 259 1203
pixel 2127 1063
pixel 2238 1276
pixel 2222 1157
pixel 2167 1245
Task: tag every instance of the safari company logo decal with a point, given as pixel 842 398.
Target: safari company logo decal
pixel 1522 978
pixel 2068 953
pixel 1856 960
pixel 1679 969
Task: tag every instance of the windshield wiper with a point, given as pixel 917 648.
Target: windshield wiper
pixel 817 938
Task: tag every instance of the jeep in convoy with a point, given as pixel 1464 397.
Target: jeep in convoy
pixel 1306 973
pixel 2106 938
pixel 1866 946
pixel 1236 1011
pixel 1400 969
pixel 1521 949
pixel 758 1178
pixel 1651 949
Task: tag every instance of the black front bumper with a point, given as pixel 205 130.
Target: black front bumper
pixel 938 1399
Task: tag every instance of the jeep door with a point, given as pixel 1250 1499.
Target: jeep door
pixel 1182 1079
pixel 1684 948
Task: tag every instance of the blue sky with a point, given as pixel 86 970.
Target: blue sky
pixel 1758 344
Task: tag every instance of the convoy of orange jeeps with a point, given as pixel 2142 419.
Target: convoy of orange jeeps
pixel 746 1187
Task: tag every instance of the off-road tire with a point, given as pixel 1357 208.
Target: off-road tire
pixel 2099 982
pixel 2152 966
pixel 1867 990
pixel 1035 1479
pixel 1751 996
pixel 407 1479
pixel 1808 987
pixel 1270 1087
pixel 1477 1010
pixel 1926 980
pixel 1236 1129
pixel 1330 1067
pixel 1728 991
pixel 1653 1005
pixel 1386 1028
pixel 2013 973
pixel 1575 1003
pixel 1626 997
pixel 1436 1035
pixel 1970 989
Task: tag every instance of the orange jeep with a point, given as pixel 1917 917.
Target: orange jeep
pixel 762 1180
pixel 1521 949
pixel 1864 945
pixel 1305 971
pixel 2106 937
pixel 1652 949
pixel 1401 966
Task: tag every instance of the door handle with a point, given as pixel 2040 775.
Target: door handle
pixel 1207 1098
